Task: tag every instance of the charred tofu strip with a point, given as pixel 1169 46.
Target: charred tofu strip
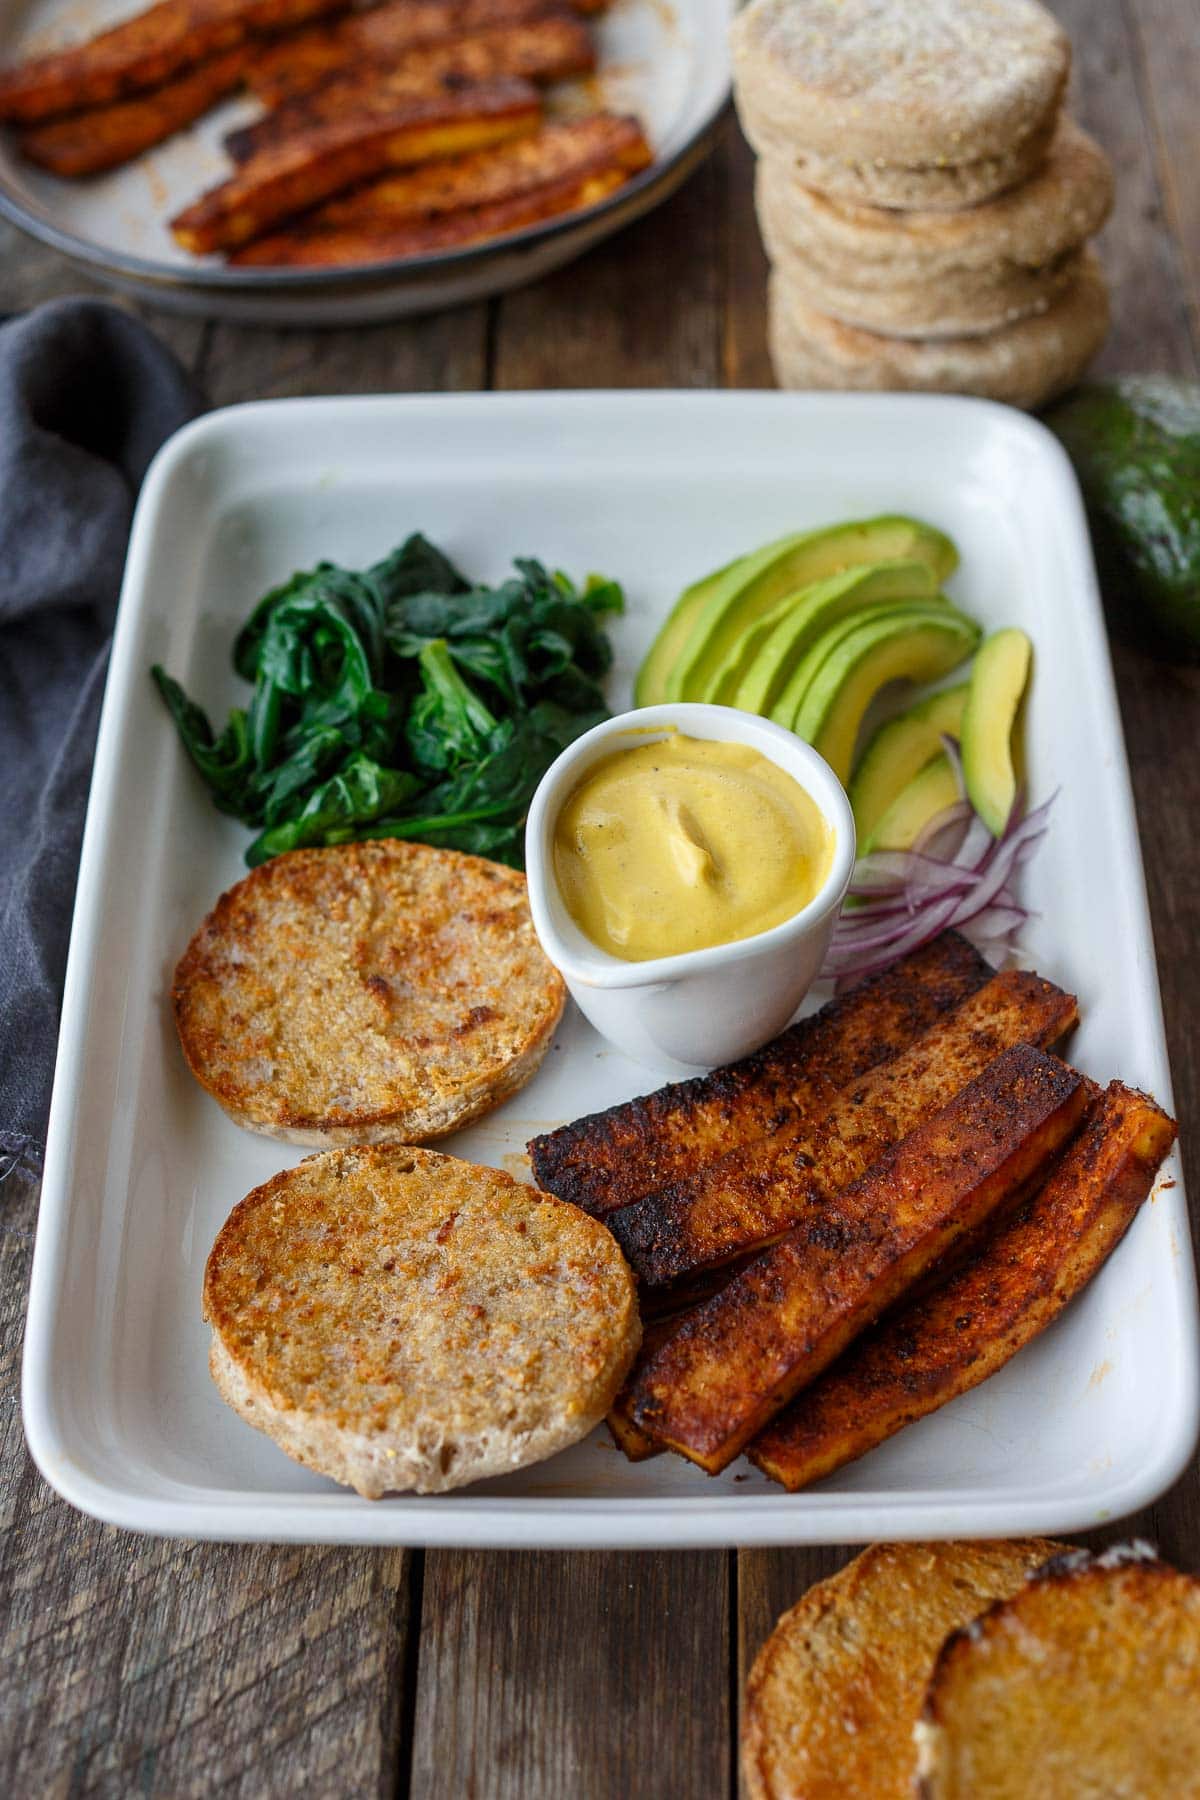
pixel 626 1435
pixel 143 52
pixel 610 1159
pixel 340 245
pixel 465 199
pixel 560 149
pixel 383 32
pixel 541 50
pixel 755 1194
pixel 293 177
pixel 88 143
pixel 343 246
pixel 739 1358
pixel 927 1353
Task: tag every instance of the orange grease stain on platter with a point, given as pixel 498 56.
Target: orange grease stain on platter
pixel 667 17
pixel 159 192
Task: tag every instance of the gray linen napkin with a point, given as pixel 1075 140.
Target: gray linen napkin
pixel 87 395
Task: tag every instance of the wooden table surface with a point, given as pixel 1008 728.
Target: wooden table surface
pixel 133 1666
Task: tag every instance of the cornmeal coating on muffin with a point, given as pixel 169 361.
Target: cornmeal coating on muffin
pixel 399 1319
pixel 377 992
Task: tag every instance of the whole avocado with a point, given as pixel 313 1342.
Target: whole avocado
pixel 1135 444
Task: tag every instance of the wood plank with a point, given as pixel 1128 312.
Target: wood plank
pixel 169 1668
pixel 744 359
pixel 592 1675
pixel 172 1668
pixel 1150 250
pixel 597 1674
pixel 1160 703
pixel 135 1664
pixel 641 310
pixel 439 354
pixel 1141 257
pixel 1167 39
pixel 31 273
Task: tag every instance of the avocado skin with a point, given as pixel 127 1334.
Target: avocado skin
pixel 1135 444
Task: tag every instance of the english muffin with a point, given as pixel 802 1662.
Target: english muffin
pixel 873 97
pixel 1025 363
pixel 930 187
pixel 1084 1683
pixel 398 1319
pixel 836 1689
pixel 967 304
pixel 1056 211
pixel 379 992
pixel 939 274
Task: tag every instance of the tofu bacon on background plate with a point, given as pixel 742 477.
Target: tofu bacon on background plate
pixel 396 130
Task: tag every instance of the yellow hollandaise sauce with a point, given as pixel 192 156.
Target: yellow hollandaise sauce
pixel 684 842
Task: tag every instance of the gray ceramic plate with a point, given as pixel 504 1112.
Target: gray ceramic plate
pixel 667 63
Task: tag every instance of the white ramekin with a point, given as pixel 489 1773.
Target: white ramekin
pixel 705 1007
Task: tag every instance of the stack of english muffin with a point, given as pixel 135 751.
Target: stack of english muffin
pixel 925 202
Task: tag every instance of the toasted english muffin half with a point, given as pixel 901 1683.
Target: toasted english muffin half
pixel 1085 1683
pixel 398 1319
pixel 836 1689
pixel 381 992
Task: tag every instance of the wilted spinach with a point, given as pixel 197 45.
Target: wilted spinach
pixel 401 701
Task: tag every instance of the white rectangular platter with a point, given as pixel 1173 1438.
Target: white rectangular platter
pixel 1091 1421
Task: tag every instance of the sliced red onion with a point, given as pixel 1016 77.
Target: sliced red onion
pixel 954 820
pixel 902 899
pixel 953 749
pixel 997 921
pixel 895 871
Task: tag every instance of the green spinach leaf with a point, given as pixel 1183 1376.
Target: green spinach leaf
pixel 402 700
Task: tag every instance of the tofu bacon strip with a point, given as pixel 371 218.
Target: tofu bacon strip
pixel 932 1350
pixel 610 1159
pixel 382 33
pixel 756 1193
pixel 628 1436
pixel 90 142
pixel 342 247
pixel 740 1357
pixel 562 148
pixel 541 50
pixel 292 177
pixel 143 52
pixel 465 200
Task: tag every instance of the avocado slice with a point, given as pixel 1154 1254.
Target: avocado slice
pixel 770 649
pixel 998 681
pixel 650 686
pixel 747 591
pixel 914 643
pixel 1135 443
pixel 930 792
pixel 899 751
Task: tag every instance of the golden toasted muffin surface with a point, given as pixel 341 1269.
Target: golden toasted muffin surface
pixel 836 1688
pixel 379 991
pixel 1084 1684
pixel 397 1318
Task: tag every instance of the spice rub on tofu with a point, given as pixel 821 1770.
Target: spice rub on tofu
pixel 739 1358
pixel 610 1159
